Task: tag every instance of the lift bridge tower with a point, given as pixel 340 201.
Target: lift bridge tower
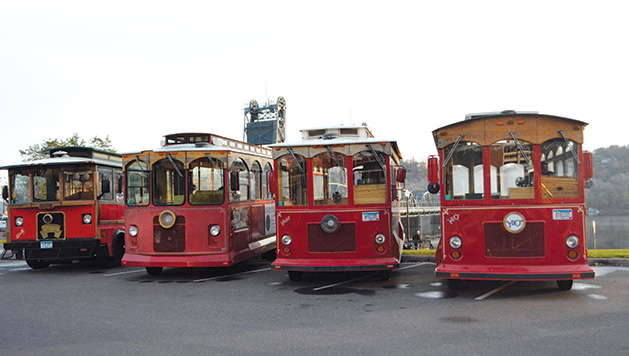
pixel 267 124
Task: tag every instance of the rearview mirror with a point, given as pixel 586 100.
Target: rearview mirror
pixel 234 182
pixel 5 192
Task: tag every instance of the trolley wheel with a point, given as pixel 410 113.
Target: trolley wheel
pixel 565 284
pixel 385 275
pixel 154 271
pixel 37 264
pixel 296 276
pixel 454 284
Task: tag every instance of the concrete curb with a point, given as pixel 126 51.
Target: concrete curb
pixel 618 262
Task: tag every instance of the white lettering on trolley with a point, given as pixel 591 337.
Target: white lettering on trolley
pixel 514 222
pixel 453 218
pixel 283 222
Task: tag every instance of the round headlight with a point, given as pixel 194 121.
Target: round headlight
pixel 456 242
pixel 329 223
pixel 286 240
pixel 215 230
pixel 19 221
pixel 87 219
pixel 380 238
pixel 572 241
pixel 133 230
pixel 167 219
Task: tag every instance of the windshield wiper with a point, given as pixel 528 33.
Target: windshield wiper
pixel 574 154
pixel 380 163
pixel 138 162
pixel 456 144
pixel 174 165
pixel 301 169
pixel 338 163
pixel 212 160
pixel 520 148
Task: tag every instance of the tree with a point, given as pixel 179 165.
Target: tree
pixel 38 150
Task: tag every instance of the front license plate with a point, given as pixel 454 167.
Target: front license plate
pixel 45 244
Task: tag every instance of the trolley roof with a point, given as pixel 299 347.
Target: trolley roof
pixel 338 136
pixel 74 155
pixel 204 142
pixel 488 128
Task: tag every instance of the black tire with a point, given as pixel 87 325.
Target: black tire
pixel 454 284
pixel 565 284
pixel 37 264
pixel 296 276
pixel 154 271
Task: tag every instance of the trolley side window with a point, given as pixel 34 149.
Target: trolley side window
pixel 168 182
pixel 560 169
pixel 46 185
pixel 329 179
pixel 292 181
pixel 137 183
pixel 256 181
pixel 105 174
pixel 20 189
pixel 238 181
pixel 205 181
pixel 512 170
pixel 265 182
pixel 464 171
pixel 370 182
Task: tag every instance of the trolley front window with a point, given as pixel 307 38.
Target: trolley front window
pixel 329 179
pixel 168 182
pixel 370 182
pixel 206 180
pixel 137 183
pixel 256 181
pixel 560 169
pixel 464 172
pixel 20 189
pixel 238 181
pixel 78 185
pixel 512 170
pixel 292 181
pixel 46 185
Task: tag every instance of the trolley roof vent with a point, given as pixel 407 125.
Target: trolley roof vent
pixel 60 154
pixel 201 144
pixel 330 135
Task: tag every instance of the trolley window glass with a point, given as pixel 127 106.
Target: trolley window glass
pixel 205 180
pixel 137 183
pixel 20 189
pixel 292 181
pixel 238 181
pixel 329 179
pixel 168 182
pixel 560 169
pixel 265 191
pixel 512 170
pixel 256 181
pixel 464 172
pixel 370 182
pixel 46 185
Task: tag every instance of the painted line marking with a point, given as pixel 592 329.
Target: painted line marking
pixel 492 292
pixel 230 275
pixel 125 272
pixel 367 276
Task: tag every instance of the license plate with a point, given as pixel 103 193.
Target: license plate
pixel 562 214
pixel 371 216
pixel 45 244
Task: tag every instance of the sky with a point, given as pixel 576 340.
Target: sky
pixel 137 70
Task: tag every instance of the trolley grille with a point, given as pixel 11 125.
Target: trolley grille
pixel 501 243
pixel 169 240
pixel 342 240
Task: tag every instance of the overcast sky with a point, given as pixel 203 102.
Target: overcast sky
pixel 137 70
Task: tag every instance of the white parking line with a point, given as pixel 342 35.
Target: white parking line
pixel 231 275
pixel 492 292
pixel 367 276
pixel 125 272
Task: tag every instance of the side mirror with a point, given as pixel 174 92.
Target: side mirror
pixel 433 174
pixel 271 178
pixel 234 181
pixel 401 175
pixel 5 192
pixel 588 166
pixel 105 186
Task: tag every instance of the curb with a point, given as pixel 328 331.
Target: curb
pixel 617 262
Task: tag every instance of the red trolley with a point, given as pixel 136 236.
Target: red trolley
pixel 512 198
pixel 66 207
pixel 328 220
pixel 201 200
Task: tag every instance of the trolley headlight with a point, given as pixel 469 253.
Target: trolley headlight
pixel 167 219
pixel 286 240
pixel 133 231
pixel 87 219
pixel 456 242
pixel 19 221
pixel 380 238
pixel 215 230
pixel 572 241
